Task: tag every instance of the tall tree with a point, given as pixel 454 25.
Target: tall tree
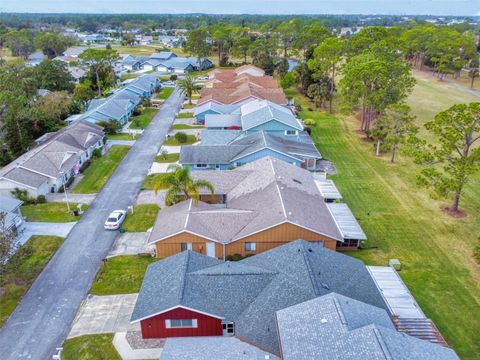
pixel 99 59
pixel 326 58
pixel 83 93
pixel 53 75
pixel 181 186
pixel 394 127
pixel 187 86
pixel 241 47
pixel 197 43
pixel 453 156
pixel 53 44
pixel 473 71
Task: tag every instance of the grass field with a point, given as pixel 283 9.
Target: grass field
pixel 122 136
pixel 136 50
pixel 168 158
pixel 121 275
pixel 128 76
pixel 466 81
pixel 150 180
pixel 185 127
pixel 189 106
pixel 90 347
pixel 165 93
pixel 100 171
pixel 55 212
pixel 142 219
pixel 402 221
pixel 143 120
pixel 25 267
pixel 172 141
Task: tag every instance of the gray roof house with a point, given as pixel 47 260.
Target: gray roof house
pixel 57 157
pixel 249 147
pixel 163 55
pixel 249 292
pixel 10 206
pixel 312 330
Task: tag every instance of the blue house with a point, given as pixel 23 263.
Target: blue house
pixel 213 108
pixel 217 153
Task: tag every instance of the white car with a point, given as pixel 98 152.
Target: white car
pixel 169 84
pixel 115 220
pixel 201 78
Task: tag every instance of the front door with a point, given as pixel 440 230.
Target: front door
pixel 228 329
pixel 211 249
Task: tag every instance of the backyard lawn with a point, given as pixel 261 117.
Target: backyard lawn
pixel 142 219
pixel 165 93
pixel 90 347
pixel 25 266
pixel 168 158
pixel 98 173
pixel 121 275
pixel 150 180
pixel 402 221
pixel 122 136
pixel 143 120
pixel 55 212
pixel 172 141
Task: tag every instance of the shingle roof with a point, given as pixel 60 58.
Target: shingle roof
pixel 273 191
pixel 219 137
pixel 334 327
pixel 250 291
pixel 240 93
pixel 163 55
pixel 9 204
pixel 223 120
pixel 211 348
pixel 258 112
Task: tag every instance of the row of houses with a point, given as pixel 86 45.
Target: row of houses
pixel 56 158
pixel 246 116
pixel 166 62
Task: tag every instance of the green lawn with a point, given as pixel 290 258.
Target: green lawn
pixel 185 127
pixel 185 115
pixel 189 106
pixel 24 268
pixel 150 180
pixel 171 141
pixel 165 93
pixel 128 76
pixel 402 221
pixel 142 219
pixel 90 347
pixel 122 136
pixel 168 158
pixel 121 275
pixel 143 120
pixel 55 212
pixel 98 173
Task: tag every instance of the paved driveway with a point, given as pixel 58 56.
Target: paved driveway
pixel 44 228
pixel 105 314
pixel 42 320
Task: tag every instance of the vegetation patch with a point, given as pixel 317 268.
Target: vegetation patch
pixel 185 115
pixel 97 174
pixel 121 275
pixel 150 181
pixel 165 93
pixel 173 141
pixel 185 127
pixel 23 269
pixel 143 120
pixel 167 158
pixel 123 136
pixel 142 219
pixel 90 347
pixel 55 212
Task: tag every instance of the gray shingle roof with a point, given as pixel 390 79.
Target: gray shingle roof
pixel 218 137
pixel 218 108
pixel 274 191
pixel 258 112
pixel 250 291
pixel 334 327
pixel 9 204
pixel 211 348
pixel 163 55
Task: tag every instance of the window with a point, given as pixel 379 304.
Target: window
pixel 181 323
pixel 250 246
pixel 228 329
pixel 238 163
pixel 200 165
pixel 291 132
pixel 186 246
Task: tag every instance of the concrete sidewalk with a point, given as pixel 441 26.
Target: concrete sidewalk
pixel 131 244
pixel 44 228
pixel 104 314
pixel 74 198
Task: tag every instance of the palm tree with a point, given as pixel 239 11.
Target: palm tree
pixel 187 86
pixel 181 186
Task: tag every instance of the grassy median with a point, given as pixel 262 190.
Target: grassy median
pixel 90 347
pixel 55 212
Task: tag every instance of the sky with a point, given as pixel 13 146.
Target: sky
pixel 388 7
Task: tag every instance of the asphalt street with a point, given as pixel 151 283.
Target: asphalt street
pixel 43 318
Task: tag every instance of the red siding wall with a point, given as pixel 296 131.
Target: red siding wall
pixel 154 327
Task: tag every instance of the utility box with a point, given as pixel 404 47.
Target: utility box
pixel 395 263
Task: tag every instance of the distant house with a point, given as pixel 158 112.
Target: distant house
pixel 213 108
pixel 169 62
pixel 56 158
pixel 94 38
pixel 77 73
pixel 106 109
pixel 132 63
pixel 163 55
pixel 255 207
pixel 11 207
pixel 247 148
pixel 35 58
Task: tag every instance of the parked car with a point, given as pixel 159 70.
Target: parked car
pixel 169 84
pixel 115 220
pixel 202 78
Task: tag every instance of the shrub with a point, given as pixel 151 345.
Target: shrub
pixel 97 153
pixel 139 110
pixel 173 77
pixel 309 122
pixel 181 137
pixel 146 102
pixel 110 127
pixel 41 198
pixel 67 184
pixel 237 257
pixel 308 130
pixel 84 166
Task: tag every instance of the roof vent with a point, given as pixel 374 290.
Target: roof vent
pixel 297 181
pixel 324 321
pixel 310 250
pixel 289 213
pixel 325 286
